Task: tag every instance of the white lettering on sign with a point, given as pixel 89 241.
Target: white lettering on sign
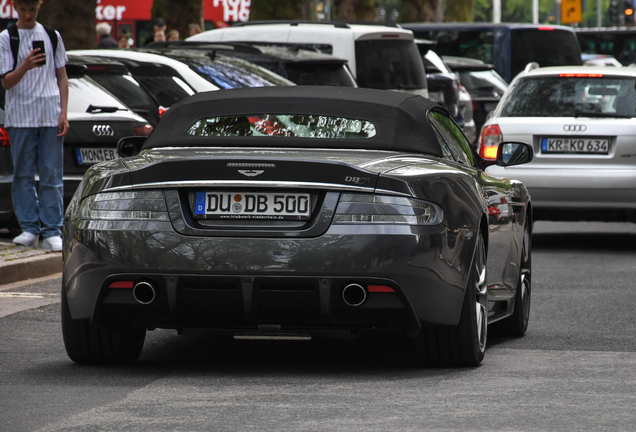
pixel 109 12
pixel 234 10
pixel 7 10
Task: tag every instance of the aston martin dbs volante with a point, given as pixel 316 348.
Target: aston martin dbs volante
pixel 294 213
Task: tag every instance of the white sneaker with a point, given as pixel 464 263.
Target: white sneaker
pixel 27 239
pixel 52 243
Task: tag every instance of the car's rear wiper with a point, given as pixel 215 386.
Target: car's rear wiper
pixel 103 109
pixel 601 114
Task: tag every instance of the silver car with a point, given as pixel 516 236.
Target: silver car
pixel 580 122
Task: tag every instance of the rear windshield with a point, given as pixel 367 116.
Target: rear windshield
pixel 483 83
pixel 389 64
pixel 128 90
pixel 621 45
pixel 167 89
pixel 283 125
pixel 546 47
pixel 477 44
pixel 331 74
pixel 84 92
pixel 571 96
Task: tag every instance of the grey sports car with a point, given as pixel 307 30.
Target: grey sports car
pixel 300 212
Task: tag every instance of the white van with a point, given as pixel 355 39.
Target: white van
pixel 378 56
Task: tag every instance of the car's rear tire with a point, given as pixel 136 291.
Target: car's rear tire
pixel 516 325
pixel 86 343
pixel 464 344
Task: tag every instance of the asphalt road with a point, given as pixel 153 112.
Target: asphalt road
pixel 574 370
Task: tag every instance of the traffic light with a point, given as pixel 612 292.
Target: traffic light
pixel 628 10
pixel 613 11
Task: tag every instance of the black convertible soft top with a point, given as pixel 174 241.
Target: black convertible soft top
pixel 400 119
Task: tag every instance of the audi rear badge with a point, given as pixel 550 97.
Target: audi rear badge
pixel 575 128
pixel 103 130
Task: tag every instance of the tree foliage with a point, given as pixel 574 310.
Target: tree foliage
pixel 277 10
pixel 418 10
pixel 75 20
pixel 460 11
pixel 356 10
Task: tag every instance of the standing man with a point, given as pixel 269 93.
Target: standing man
pixel 105 39
pixel 36 109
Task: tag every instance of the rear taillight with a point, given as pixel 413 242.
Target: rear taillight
pixel 4 137
pixel 489 141
pixel 143 130
pixel 162 111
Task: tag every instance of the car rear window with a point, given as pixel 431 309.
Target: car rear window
pixel 167 89
pixel 483 83
pixel 546 47
pixel 568 96
pixel 333 74
pixel 389 64
pixel 283 125
pixel 128 90
pixel 84 92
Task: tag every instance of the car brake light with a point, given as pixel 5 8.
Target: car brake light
pixel 97 68
pixel 580 75
pixel 489 141
pixel 143 130
pixel 546 28
pixel 380 289
pixel 4 137
pixel 162 111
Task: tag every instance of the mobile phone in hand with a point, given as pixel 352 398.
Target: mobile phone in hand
pixel 39 44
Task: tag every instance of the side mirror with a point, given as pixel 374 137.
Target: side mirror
pixel 514 153
pixel 130 146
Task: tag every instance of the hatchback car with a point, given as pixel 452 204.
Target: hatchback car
pixel 97 121
pixel 294 213
pixel 580 123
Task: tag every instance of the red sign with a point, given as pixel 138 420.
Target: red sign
pixel 139 10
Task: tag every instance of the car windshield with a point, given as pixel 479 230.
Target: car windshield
pixel 483 83
pixel 389 64
pixel 283 125
pixel 332 74
pixel 571 96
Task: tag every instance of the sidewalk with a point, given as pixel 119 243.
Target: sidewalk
pixel 19 263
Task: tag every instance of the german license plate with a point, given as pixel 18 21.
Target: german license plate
pixel 252 205
pixel 575 145
pixel 437 97
pixel 90 156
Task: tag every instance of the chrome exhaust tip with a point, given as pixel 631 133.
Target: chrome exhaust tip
pixel 354 294
pixel 144 293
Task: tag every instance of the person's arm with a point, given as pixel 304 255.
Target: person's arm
pixel 14 77
pixel 62 83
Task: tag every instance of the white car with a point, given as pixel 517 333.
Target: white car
pixel 580 122
pixel 378 56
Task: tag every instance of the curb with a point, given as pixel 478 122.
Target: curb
pixel 31 267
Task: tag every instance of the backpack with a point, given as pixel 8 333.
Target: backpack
pixel 15 41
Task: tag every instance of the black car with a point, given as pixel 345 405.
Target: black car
pixel 297 212
pixel 483 83
pixel 97 121
pixel 300 64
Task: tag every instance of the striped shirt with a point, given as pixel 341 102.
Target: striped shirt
pixel 35 100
